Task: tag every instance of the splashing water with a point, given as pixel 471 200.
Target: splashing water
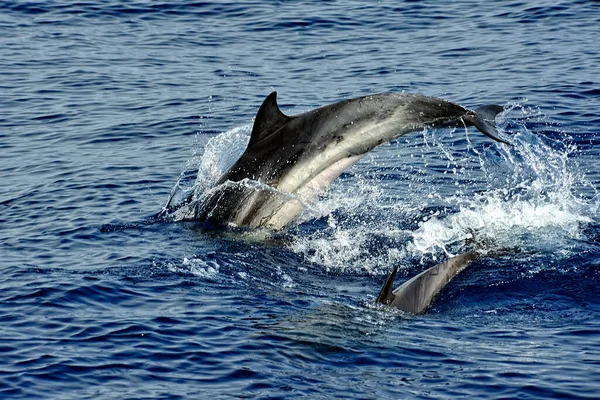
pixel 420 200
pixel 523 197
pixel 220 153
pixel 534 194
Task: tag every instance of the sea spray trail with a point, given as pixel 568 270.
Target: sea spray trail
pixel 532 201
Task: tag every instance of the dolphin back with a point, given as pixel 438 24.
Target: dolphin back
pixel 416 294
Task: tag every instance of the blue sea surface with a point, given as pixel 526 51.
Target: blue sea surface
pixel 108 107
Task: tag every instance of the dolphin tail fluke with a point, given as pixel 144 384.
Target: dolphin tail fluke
pixel 385 295
pixel 484 119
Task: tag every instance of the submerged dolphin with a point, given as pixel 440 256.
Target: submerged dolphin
pixel 416 294
pixel 291 159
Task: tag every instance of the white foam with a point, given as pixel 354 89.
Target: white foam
pixel 286 280
pixel 350 248
pixel 502 224
pixel 196 267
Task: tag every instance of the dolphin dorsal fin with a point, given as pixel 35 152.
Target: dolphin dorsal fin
pixel 268 119
pixel 385 295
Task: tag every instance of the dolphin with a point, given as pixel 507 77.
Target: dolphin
pixel 289 160
pixel 416 294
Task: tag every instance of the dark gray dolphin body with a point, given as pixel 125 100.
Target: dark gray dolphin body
pixel 416 294
pixel 291 159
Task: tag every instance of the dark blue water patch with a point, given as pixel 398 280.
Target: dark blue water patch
pixel 96 8
pixel 296 348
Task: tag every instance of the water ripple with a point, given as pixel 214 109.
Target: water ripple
pixel 105 105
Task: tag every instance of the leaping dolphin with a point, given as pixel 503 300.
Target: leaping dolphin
pixel 291 159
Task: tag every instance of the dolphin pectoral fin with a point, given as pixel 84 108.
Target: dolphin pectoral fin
pixel 416 294
pixel 269 119
pixel 484 119
pixel 385 295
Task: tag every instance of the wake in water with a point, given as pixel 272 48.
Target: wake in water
pixel 422 199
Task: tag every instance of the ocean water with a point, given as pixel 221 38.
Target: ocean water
pixel 107 107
